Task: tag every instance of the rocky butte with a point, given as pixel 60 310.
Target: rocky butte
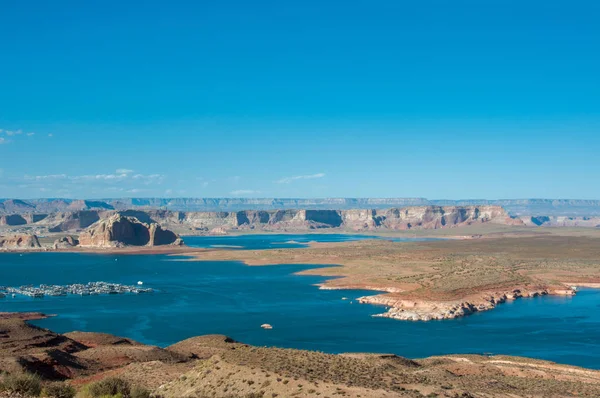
pixel 18 242
pixel 119 230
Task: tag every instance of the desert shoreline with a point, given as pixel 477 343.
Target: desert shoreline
pixel 401 302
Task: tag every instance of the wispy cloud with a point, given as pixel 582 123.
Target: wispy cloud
pixel 287 180
pixel 14 134
pixel 124 171
pixel 99 177
pixel 241 192
pixel 11 133
pixel 90 184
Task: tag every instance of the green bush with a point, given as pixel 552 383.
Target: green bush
pixel 139 392
pixel 111 387
pixel 58 390
pixel 25 384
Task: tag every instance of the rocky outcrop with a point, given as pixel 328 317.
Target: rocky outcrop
pixel 19 242
pixel 423 310
pixel 119 230
pixel 65 242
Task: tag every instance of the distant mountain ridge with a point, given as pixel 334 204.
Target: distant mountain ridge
pixel 515 207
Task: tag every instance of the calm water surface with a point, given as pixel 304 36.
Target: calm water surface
pixel 281 241
pixel 230 298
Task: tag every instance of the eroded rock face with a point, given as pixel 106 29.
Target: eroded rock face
pixel 19 242
pixel 13 219
pixel 66 242
pixel 424 310
pixel 119 230
pixel 420 217
pixel 73 221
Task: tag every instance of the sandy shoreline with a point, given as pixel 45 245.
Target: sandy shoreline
pixel 406 277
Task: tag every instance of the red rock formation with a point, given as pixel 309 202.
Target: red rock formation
pixel 19 242
pixel 119 230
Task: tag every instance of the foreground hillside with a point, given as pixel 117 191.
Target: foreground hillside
pixel 216 366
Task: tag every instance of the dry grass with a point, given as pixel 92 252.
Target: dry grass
pixel 442 270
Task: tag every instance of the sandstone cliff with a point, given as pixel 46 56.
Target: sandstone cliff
pixel 417 217
pixel 519 207
pixel 119 230
pixel 19 242
pixel 422 217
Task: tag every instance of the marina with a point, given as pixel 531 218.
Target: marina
pixel 88 289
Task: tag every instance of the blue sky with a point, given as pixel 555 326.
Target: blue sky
pixel 438 99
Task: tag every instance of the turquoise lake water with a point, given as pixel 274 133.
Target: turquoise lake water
pixel 280 241
pixel 196 298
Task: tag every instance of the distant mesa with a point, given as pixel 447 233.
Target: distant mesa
pixel 73 221
pixel 13 220
pixel 516 207
pixel 119 230
pixel 17 206
pixel 79 205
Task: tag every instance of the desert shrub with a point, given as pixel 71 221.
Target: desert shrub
pixel 111 387
pixel 26 384
pixel 58 390
pixel 139 392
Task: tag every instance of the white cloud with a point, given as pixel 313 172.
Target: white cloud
pixel 287 180
pixel 46 177
pixel 116 177
pixel 12 133
pixel 124 171
pixel 239 192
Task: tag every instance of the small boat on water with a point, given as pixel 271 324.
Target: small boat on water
pixel 266 326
